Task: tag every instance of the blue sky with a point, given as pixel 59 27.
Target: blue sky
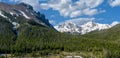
pixel 57 11
pixel 111 14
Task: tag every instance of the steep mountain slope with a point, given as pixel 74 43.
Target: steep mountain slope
pixel 17 21
pixel 22 10
pixel 7 35
pixel 71 27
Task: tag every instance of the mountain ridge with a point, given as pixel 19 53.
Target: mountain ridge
pixel 70 27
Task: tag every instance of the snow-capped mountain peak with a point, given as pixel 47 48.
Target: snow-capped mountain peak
pixel 92 26
pixel 68 27
pixel 71 27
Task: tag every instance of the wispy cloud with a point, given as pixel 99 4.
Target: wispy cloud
pixel 52 16
pixel 71 9
pixel 52 22
pixel 114 3
pixel 79 21
pixel 34 3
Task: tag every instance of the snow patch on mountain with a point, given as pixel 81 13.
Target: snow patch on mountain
pixel 115 23
pixel 15 25
pixel 71 27
pixel 25 15
pixel 11 13
pixel 1 14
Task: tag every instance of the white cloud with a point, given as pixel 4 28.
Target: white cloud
pixel 69 9
pixel 90 12
pixel 34 3
pixel 44 6
pixel 52 16
pixel 79 21
pixel 75 13
pixel 89 3
pixel 52 22
pixel 114 3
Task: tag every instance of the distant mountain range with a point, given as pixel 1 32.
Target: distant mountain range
pixel 71 27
